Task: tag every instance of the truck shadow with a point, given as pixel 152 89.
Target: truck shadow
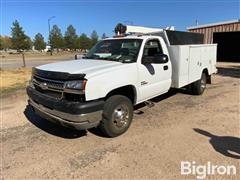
pixel 137 108
pixel 170 93
pixel 60 131
pixel 50 127
pixel 226 145
pixel 233 71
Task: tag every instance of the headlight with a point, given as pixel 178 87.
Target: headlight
pixel 76 85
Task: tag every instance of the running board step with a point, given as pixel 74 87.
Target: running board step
pixel 149 104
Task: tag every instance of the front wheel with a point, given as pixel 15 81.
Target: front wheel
pixel 199 86
pixel 117 116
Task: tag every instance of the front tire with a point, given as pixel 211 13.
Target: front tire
pixel 199 86
pixel 117 116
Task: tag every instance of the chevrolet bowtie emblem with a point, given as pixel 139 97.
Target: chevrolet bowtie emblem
pixel 43 86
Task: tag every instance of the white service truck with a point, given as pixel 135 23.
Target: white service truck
pixel 101 89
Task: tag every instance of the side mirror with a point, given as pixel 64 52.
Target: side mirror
pixel 160 59
pixel 156 59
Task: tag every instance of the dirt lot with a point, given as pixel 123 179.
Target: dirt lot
pixel 176 129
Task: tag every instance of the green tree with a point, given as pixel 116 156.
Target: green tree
pixel 29 42
pixel 5 42
pixel 39 42
pixel 1 43
pixel 70 38
pixel 56 38
pixel 104 36
pixel 20 40
pixel 84 42
pixel 94 37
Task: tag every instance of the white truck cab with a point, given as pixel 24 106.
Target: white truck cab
pixel 101 89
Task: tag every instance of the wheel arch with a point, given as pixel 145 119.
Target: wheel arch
pixel 206 71
pixel 129 91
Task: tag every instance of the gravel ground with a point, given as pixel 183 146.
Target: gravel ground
pixel 180 127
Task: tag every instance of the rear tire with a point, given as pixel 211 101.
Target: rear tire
pixel 117 116
pixel 199 86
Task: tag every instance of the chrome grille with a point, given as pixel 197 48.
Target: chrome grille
pixel 48 84
pixel 56 89
pixel 49 87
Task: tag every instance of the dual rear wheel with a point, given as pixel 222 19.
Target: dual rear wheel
pixel 198 87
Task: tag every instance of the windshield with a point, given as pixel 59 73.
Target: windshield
pixel 120 50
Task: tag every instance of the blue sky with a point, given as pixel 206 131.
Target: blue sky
pixel 102 16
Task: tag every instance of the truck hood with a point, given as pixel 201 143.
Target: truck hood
pixel 89 67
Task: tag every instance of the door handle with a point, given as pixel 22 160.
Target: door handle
pixel 165 68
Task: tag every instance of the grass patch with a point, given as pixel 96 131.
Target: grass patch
pixel 14 79
pixel 13 88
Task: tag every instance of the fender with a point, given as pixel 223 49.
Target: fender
pixel 100 85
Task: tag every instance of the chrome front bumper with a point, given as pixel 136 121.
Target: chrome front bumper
pixel 76 121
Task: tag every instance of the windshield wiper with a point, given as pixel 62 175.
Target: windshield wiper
pixel 91 57
pixel 100 58
pixel 85 57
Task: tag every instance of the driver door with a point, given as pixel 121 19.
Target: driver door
pixel 154 78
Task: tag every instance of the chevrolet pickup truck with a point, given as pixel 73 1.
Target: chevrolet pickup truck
pixel 102 88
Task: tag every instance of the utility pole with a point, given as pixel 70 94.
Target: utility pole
pixel 49 31
pixel 196 22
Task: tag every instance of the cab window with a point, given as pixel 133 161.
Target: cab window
pixel 152 47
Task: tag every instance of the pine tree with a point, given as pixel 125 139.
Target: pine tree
pixel 56 38
pixel 20 41
pixel 94 37
pixel 70 38
pixel 39 43
pixel 84 42
pixel 104 36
